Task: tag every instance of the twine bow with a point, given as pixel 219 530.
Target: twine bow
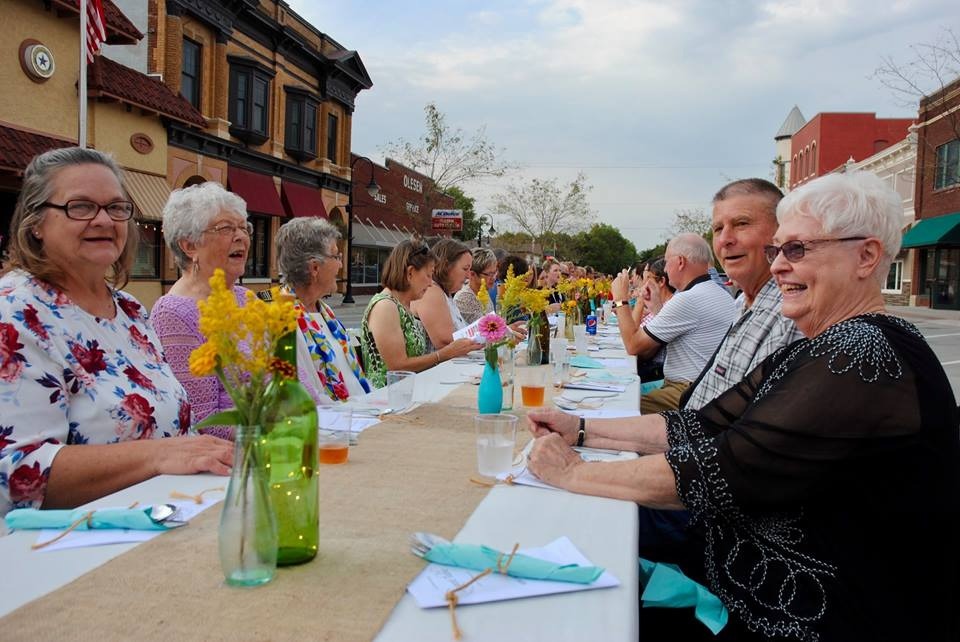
pixel 198 498
pixel 87 517
pixel 451 595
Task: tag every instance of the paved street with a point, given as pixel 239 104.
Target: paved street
pixel 940 327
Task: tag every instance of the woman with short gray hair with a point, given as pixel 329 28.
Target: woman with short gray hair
pixel 310 262
pixel 483 274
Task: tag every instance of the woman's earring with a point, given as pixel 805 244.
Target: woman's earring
pixel 37 234
pixel 196 265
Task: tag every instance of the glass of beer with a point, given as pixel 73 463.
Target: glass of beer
pixel 533 383
pixel 334 435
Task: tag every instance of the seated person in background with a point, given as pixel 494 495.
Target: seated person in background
pixel 744 221
pixel 88 406
pixel 514 316
pixel 493 291
pixel 436 308
pixel 483 273
pixel 310 261
pixel 551 276
pixel 691 324
pixel 655 291
pixel 391 337
pixel 205 228
pixel 834 453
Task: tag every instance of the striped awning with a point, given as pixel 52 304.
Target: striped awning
pixel 149 192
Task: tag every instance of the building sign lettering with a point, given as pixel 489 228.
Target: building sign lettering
pixel 448 220
pixel 412 184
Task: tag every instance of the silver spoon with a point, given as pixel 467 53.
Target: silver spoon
pixel 162 513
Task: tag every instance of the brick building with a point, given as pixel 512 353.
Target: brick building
pixel 828 140
pixel 128 113
pixel 277 97
pixel 937 200
pixel 400 210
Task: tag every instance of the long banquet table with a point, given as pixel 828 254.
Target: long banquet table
pixel 411 473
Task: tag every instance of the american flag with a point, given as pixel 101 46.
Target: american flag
pixel 96 32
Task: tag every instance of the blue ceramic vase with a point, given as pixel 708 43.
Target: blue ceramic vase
pixel 490 393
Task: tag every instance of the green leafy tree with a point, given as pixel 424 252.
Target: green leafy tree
pixel 467 204
pixel 605 249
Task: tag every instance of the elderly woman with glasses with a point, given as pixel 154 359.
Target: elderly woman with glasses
pixel 86 397
pixel 823 486
pixel 310 261
pixel 483 274
pixel 391 336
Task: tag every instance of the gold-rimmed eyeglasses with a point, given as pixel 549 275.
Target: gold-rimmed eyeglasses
pixel 229 229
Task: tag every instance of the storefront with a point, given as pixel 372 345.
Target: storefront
pixel 937 241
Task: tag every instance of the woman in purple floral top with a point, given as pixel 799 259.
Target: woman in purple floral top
pixel 79 362
pixel 205 227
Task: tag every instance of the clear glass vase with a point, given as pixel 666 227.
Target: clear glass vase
pixel 248 530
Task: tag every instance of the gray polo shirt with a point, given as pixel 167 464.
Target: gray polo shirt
pixel 691 325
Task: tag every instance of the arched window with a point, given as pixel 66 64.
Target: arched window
pixel 813 157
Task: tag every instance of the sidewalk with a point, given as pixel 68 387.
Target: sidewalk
pixel 911 313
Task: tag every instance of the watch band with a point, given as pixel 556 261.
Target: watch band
pixel 620 304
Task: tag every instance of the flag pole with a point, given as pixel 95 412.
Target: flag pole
pixel 82 84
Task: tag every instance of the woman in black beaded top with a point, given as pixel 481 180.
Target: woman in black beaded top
pixel 823 488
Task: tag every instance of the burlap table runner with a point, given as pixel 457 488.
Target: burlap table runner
pixel 410 473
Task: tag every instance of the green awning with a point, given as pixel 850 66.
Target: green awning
pixel 939 230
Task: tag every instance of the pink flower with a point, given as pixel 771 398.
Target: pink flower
pixel 492 328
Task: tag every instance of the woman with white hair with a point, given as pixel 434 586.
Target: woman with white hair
pixel 310 261
pixel 823 487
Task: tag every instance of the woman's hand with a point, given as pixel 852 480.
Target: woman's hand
pixel 620 288
pixel 189 455
pixel 519 328
pixel 546 422
pixel 552 460
pixel 461 348
pixel 553 308
pixel 652 297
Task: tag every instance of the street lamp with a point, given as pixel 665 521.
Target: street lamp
pixel 372 189
pixel 490 230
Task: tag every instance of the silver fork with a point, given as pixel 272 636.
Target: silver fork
pixel 421 543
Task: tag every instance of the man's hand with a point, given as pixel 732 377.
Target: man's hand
pixel 545 422
pixel 553 461
pixel 620 288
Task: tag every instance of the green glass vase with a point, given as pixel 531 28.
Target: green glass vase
pixel 291 446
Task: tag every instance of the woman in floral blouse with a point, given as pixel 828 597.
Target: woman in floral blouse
pixel 310 262
pixel 392 338
pixel 85 394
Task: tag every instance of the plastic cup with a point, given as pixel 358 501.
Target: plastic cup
pixel 399 389
pixel 580 338
pixel 533 384
pixel 334 436
pixel 496 438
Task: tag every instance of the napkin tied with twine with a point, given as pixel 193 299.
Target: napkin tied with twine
pixel 132 518
pixel 479 558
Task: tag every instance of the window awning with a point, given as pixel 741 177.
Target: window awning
pixel 302 200
pixel 257 190
pixel 370 235
pixel 148 191
pixel 939 230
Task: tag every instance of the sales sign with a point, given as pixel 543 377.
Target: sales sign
pixel 448 220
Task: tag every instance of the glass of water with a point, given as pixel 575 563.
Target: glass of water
pixel 496 437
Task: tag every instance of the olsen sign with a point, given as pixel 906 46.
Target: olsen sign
pixel 451 220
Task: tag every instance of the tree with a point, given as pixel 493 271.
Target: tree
pixel 931 67
pixel 690 220
pixel 542 207
pixel 605 249
pixel 449 157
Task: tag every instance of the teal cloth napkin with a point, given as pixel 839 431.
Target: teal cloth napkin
pixel 667 586
pixel 581 361
pixel 133 518
pixel 649 386
pixel 479 558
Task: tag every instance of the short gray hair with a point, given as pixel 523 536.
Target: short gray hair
pixel 26 249
pixel 692 247
pixel 482 257
pixel 853 204
pixel 189 211
pixel 299 241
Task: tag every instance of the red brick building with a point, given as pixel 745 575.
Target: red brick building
pixel 937 200
pixel 828 140
pixel 400 210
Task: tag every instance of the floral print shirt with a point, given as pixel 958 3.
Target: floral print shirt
pixel 322 350
pixel 68 377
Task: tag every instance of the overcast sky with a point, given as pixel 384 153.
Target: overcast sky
pixel 658 103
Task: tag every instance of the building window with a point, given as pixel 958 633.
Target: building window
pixel 146 264
pixel 249 102
pixel 367 263
pixel 258 261
pixel 948 165
pixel 894 278
pixel 300 140
pixel 333 124
pixel 813 158
pixel 190 73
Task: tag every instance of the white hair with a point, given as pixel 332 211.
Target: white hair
pixel 189 211
pixel 853 204
pixel 692 247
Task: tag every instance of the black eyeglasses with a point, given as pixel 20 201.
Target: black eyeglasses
pixel 81 210
pixel 793 251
